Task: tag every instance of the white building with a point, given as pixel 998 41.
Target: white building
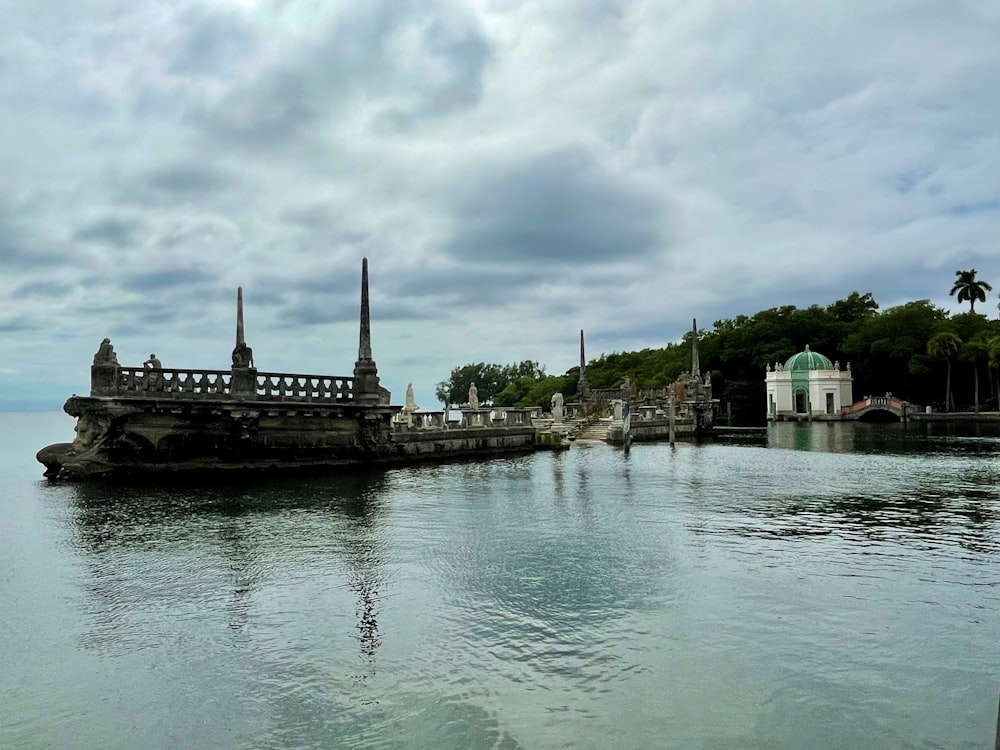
pixel 808 386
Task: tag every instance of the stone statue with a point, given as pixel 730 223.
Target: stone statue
pixel 768 367
pixel 242 355
pixel 557 407
pixel 106 355
pixel 154 377
pixel 411 404
pixel 836 365
pixel 473 397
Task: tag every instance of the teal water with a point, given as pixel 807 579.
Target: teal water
pixel 824 586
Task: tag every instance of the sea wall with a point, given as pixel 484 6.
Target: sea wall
pixel 657 428
pixel 132 435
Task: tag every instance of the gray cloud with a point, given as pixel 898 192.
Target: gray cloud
pixel 167 280
pixel 563 207
pixel 37 289
pixel 213 43
pixel 109 231
pixel 185 180
pixel 365 52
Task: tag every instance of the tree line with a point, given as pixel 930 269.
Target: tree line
pixel 916 350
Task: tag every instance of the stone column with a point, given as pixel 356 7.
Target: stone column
pixel 583 387
pixel 104 380
pixel 366 385
pixel 244 377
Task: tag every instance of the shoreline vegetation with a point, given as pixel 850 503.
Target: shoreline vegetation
pixel 917 351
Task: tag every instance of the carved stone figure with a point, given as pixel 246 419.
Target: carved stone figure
pixel 557 407
pixel 410 406
pixel 106 355
pixel 242 355
pixel 154 377
pixel 473 397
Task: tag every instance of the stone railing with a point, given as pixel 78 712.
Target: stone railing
pixel 180 384
pixel 881 402
pixel 274 386
pixel 495 416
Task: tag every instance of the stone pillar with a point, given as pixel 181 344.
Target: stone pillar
pixel 366 385
pixel 244 377
pixel 583 387
pixel 104 380
pixel 695 359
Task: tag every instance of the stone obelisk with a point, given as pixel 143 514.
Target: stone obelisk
pixel 695 362
pixel 244 374
pixel 583 387
pixel 366 385
pixel 240 337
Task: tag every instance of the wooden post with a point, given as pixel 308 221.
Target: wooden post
pixel 673 435
pixel 996 745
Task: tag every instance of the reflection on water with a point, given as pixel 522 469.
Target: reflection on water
pixel 824 585
pixel 862 437
pixel 149 544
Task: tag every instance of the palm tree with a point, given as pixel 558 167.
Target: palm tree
pixel 969 288
pixel 976 350
pixel 945 345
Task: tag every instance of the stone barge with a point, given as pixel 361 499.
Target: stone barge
pixel 141 420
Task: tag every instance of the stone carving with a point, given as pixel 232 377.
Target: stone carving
pixel 836 365
pixel 242 356
pixel 105 356
pixel 154 377
pixel 410 406
pixel 473 397
pixel 557 407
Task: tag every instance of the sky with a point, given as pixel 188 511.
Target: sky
pixel 513 171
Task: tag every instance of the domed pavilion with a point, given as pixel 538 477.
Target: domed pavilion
pixel 808 386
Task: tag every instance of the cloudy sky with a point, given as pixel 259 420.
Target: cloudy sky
pixel 513 171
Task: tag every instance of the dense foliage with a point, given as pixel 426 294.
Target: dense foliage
pixel 490 380
pixel 915 350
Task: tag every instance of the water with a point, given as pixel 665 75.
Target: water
pixel 828 586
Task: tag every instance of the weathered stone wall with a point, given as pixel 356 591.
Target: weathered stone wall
pixel 137 436
pixel 657 428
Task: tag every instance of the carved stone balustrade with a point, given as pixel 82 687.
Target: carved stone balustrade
pixel 274 386
pixel 181 384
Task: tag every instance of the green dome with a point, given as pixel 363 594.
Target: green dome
pixel 808 360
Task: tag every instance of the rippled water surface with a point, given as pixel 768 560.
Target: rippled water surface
pixel 824 586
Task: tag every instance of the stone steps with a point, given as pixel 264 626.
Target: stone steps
pixel 594 432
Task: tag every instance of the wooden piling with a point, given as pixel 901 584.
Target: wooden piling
pixel 673 433
pixel 996 745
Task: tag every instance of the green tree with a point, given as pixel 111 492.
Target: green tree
pixel 855 307
pixel 490 379
pixel 976 350
pixel 945 345
pixel 970 288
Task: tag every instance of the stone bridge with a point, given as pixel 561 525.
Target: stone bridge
pixel 887 408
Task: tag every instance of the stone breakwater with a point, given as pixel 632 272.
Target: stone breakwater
pixel 116 436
